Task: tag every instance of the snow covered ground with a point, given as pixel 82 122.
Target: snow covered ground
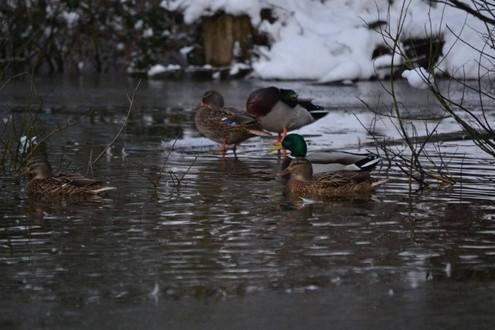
pixel 331 40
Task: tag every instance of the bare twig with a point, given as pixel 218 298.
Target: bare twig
pixel 117 135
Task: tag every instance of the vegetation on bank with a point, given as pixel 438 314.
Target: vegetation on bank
pixel 89 35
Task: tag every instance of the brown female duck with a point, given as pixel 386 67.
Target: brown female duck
pixel 224 125
pixel 44 184
pixel 331 185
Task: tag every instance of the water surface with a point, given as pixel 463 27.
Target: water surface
pixel 226 248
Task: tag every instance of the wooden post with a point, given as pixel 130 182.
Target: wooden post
pixel 220 33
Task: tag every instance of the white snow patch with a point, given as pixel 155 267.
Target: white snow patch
pixel 331 41
pixel 189 142
pixel 70 18
pixel 193 9
pixel 236 67
pixel 418 78
pixel 158 69
pixel 385 61
pixel 148 33
pixel 186 50
pixel 139 25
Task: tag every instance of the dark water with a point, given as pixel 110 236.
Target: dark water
pixel 226 248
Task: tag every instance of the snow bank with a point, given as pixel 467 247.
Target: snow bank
pixel 194 9
pixel 331 41
pixel 158 69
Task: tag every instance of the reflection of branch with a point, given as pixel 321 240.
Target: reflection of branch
pixel 173 178
pixel 12 78
pixel 155 180
pixel 176 181
pixel 108 146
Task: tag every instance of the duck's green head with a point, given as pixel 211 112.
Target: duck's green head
pixel 289 97
pixel 296 144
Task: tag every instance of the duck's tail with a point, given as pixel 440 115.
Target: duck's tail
pixel 317 111
pixel 103 189
pixel 368 163
pixel 378 183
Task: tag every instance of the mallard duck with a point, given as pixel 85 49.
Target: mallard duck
pixel 281 110
pixel 333 184
pixel 44 184
pixel 326 162
pixel 330 185
pixel 224 125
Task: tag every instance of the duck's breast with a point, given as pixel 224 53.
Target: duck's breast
pixel 282 116
pixel 208 123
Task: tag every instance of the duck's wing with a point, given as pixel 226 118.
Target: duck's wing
pixel 74 184
pixel 241 118
pixel 213 117
pixel 343 178
pixel 342 161
pixel 77 180
pixel 234 117
pixel 316 111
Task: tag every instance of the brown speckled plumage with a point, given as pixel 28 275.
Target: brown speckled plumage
pixel 66 185
pixel 222 124
pixel 44 184
pixel 332 185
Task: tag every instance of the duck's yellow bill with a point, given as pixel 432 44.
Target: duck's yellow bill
pixel 276 147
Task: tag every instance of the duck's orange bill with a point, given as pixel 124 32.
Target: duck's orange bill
pixel 277 146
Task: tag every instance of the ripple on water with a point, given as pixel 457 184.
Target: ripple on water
pixel 228 229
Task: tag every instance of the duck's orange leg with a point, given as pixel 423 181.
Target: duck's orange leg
pixel 223 147
pixel 283 152
pixel 284 134
pixel 234 149
pixel 279 139
pixel 281 136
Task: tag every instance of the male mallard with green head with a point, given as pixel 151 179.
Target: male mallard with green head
pixel 334 184
pixel 325 162
pixel 44 184
pixel 281 110
pixel 224 125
